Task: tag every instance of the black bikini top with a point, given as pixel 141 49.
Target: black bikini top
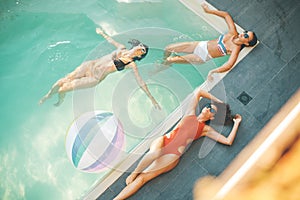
pixel 120 65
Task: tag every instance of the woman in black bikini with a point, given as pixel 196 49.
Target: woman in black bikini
pixel 201 51
pixel 92 72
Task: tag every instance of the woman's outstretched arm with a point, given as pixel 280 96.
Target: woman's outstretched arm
pixel 109 39
pixel 223 14
pixel 197 95
pixel 226 66
pixel 143 85
pixel 213 134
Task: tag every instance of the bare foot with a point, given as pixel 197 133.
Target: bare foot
pixel 167 62
pixel 210 77
pixel 61 97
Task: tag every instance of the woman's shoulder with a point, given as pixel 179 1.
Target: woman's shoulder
pixel 118 51
pixel 206 128
pixel 230 34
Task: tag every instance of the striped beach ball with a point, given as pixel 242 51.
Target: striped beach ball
pixel 94 141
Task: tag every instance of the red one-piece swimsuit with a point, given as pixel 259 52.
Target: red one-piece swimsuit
pixel 188 128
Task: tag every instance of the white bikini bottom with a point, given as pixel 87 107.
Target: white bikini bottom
pixel 201 51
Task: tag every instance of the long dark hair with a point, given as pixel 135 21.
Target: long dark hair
pixel 223 115
pixel 253 41
pixel 135 43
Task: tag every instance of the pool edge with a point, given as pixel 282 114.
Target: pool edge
pixel 195 6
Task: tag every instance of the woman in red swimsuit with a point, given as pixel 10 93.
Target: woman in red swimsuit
pixel 165 151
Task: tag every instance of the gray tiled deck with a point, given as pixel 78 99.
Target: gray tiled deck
pixel 270 74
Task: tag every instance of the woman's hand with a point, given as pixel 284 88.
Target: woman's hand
pixel 155 104
pixel 99 31
pixel 237 118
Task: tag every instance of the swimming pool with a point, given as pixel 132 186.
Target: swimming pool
pixel 43 41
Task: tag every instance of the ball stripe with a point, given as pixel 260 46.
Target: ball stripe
pixel 84 136
pixel 111 152
pixel 95 141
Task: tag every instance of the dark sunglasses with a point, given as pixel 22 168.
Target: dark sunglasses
pixel 246 34
pixel 210 108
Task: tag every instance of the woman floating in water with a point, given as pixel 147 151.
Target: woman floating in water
pixel 197 52
pixel 92 72
pixel 166 150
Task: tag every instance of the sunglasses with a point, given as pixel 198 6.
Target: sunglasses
pixel 246 34
pixel 210 108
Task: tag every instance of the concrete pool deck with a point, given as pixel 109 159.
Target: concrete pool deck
pixel 269 75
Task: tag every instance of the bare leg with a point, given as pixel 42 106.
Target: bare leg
pixel 160 166
pixel 149 157
pixel 73 85
pixel 81 77
pixel 61 97
pixel 52 91
pixel 182 47
pixel 81 83
pixel 189 58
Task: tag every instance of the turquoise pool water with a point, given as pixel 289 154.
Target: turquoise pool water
pixel 40 42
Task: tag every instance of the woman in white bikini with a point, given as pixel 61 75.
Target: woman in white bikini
pixel 199 52
pixel 92 72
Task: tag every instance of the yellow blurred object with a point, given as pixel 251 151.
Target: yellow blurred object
pixel 282 182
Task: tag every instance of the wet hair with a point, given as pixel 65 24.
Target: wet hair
pixel 223 115
pixel 135 43
pixel 251 42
